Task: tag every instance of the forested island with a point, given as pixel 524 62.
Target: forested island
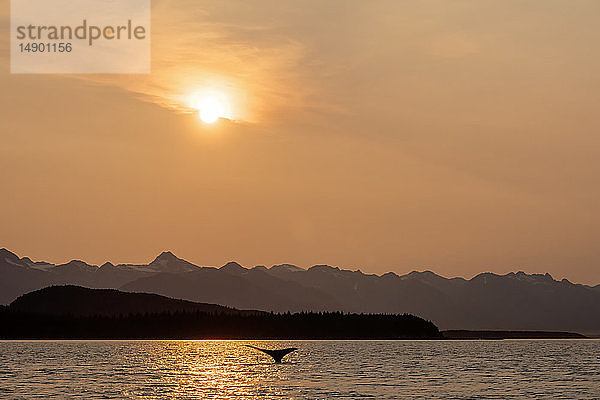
pixel 71 312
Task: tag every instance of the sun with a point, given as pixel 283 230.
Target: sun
pixel 210 110
pixel 210 106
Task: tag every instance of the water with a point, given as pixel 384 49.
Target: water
pixel 510 369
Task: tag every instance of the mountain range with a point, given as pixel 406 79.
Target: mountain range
pixel 515 301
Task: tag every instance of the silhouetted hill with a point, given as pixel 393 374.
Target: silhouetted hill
pixel 71 312
pixel 515 301
pixel 80 301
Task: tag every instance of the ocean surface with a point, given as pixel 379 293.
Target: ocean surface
pixel 507 369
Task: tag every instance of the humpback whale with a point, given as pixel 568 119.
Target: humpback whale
pixel 276 354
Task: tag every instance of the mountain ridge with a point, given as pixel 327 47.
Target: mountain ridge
pixel 515 300
pixel 168 256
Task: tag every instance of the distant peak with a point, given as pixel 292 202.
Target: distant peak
pixel 232 266
pixel 323 267
pixel 286 267
pixel 521 275
pixel 6 253
pixel 169 262
pixel 422 274
pixel 76 264
pixel 486 275
pixel 166 256
pixel 107 265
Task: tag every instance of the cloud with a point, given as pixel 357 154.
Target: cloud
pixel 207 48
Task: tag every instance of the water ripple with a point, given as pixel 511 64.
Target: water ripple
pixel 509 369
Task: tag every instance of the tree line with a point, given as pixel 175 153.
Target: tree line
pixel 215 325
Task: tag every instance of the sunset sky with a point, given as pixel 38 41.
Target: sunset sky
pixel 459 137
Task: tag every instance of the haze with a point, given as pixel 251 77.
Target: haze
pixel 459 137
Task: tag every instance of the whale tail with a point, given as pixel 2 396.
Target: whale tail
pixel 276 354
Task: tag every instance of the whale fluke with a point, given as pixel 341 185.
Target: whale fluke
pixel 276 354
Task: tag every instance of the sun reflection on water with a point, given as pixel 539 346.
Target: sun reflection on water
pixel 152 370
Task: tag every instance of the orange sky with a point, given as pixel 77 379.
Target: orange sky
pixel 459 137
